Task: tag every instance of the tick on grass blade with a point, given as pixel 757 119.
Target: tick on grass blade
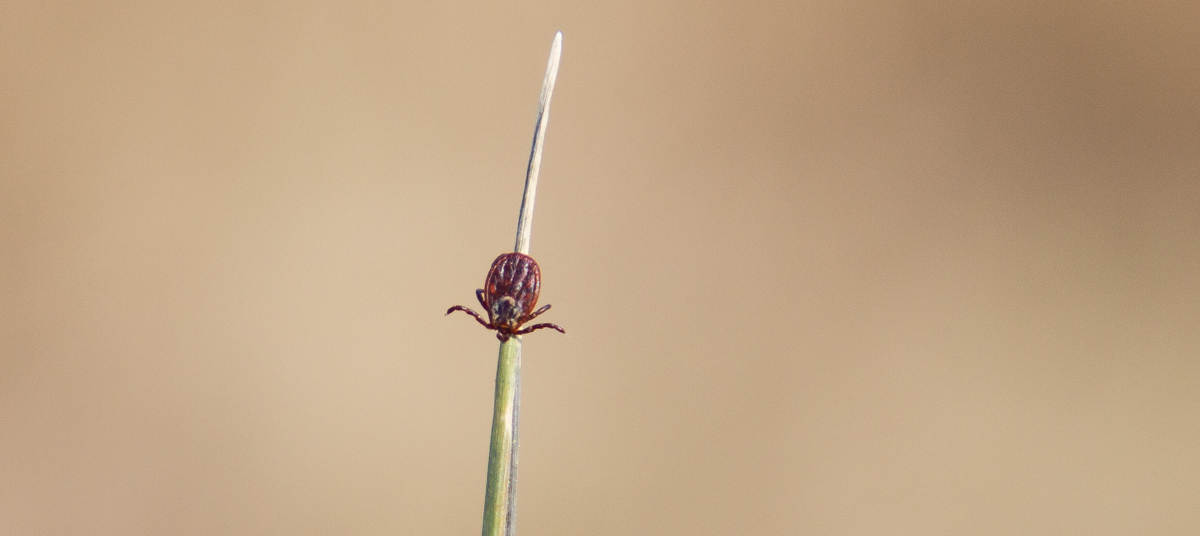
pixel 510 294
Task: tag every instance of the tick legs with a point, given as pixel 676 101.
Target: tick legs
pixel 470 312
pixel 540 310
pixel 536 327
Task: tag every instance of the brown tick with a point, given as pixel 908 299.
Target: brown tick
pixel 510 294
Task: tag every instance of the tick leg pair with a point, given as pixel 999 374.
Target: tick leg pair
pixel 534 327
pixel 540 326
pixel 478 296
pixel 488 325
pixel 470 312
pixel 540 310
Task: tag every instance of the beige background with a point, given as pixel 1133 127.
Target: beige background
pixel 827 268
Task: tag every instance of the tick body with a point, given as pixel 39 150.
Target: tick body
pixel 509 296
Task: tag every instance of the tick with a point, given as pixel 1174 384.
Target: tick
pixel 509 295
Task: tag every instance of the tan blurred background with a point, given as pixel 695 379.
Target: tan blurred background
pixel 828 268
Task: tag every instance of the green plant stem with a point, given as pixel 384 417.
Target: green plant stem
pixel 499 507
pixel 500 500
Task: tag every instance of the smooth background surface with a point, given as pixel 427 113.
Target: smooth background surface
pixel 828 268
